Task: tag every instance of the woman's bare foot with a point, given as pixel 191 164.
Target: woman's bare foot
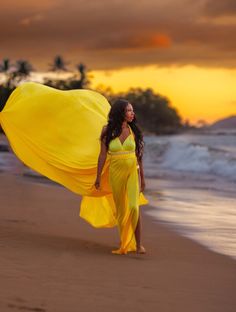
pixel 141 250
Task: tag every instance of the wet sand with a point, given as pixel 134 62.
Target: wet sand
pixel 51 260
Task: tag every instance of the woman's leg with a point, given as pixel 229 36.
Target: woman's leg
pixel 133 204
pixel 138 235
pixel 125 217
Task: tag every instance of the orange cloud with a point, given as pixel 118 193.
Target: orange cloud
pixel 152 41
pixel 148 32
pixel 160 40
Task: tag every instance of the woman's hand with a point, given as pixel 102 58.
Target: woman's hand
pixel 141 175
pixel 97 183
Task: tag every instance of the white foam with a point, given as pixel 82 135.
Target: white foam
pixel 188 154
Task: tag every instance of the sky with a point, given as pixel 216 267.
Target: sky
pixel 183 49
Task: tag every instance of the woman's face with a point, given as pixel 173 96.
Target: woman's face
pixel 129 113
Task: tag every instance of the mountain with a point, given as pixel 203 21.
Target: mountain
pixel 226 123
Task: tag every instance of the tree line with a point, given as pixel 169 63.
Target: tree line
pixel 154 111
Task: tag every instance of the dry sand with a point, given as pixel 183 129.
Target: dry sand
pixel 51 260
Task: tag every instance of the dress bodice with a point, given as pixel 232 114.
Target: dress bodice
pixel 115 144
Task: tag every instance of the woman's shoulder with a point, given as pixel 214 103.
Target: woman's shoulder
pixel 103 133
pixel 104 129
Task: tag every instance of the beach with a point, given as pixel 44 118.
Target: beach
pixel 52 260
pixel 142 112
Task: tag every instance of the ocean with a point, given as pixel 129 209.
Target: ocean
pixel 191 185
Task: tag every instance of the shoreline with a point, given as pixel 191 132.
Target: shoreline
pixel 52 260
pixel 201 211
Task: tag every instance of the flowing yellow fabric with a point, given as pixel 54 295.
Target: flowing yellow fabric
pixel 56 133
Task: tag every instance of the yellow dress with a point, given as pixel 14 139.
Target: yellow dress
pixel 123 177
pixel 57 133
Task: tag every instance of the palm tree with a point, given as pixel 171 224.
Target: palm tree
pixel 79 80
pixel 58 64
pixel 23 69
pixel 7 87
pixel 5 66
pixel 5 69
pixel 14 74
pixel 84 76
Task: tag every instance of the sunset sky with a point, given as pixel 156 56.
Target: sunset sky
pixel 183 49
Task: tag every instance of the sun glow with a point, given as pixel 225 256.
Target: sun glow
pixel 197 93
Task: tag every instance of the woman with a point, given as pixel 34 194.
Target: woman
pixel 122 139
pixel 57 133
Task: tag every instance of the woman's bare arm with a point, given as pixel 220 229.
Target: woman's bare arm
pixel 101 160
pixel 141 173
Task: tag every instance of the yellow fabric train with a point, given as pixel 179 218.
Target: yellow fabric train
pixel 56 133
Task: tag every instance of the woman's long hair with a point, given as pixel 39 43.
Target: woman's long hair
pixel 116 117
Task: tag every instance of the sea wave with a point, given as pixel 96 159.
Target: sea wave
pixel 186 154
